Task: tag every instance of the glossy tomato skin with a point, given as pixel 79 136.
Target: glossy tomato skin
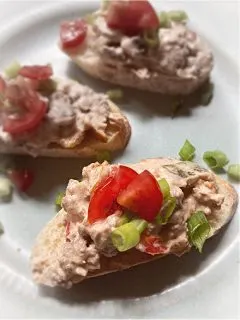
pixel 28 121
pixel 103 200
pixel 132 17
pixel 22 179
pixel 36 72
pixel 142 196
pixel 73 33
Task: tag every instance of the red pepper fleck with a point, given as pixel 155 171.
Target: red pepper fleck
pixel 153 244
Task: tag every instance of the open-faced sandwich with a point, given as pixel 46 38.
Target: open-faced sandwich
pixel 119 216
pixel 41 115
pixel 127 43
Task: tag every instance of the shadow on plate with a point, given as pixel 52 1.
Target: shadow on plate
pixel 53 173
pixel 141 281
pixel 142 103
pixel 50 173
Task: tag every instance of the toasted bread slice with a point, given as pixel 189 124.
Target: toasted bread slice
pixel 47 252
pixel 117 134
pixel 113 57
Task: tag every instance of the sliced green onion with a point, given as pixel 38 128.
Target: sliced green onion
pixel 165 214
pixel 1 229
pixel 164 20
pixel 165 188
pixel 151 38
pixel 125 237
pixel 47 87
pixel 58 200
pixel 215 159
pixel 186 153
pixel 12 70
pixel 103 156
pixel 5 189
pixel 115 94
pixel 177 15
pixel 198 229
pixel 140 224
pixel 234 171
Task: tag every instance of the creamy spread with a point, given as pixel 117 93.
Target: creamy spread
pixel 180 52
pixel 73 110
pixel 194 188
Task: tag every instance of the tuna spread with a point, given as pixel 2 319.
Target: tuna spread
pixel 179 53
pixel 73 110
pixel 194 188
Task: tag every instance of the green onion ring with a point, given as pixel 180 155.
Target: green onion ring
pixel 187 151
pixel 215 159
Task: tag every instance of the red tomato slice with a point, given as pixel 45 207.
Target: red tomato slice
pixel 28 121
pixel 103 200
pixel 132 16
pixel 22 179
pixel 142 196
pixel 72 33
pixel 153 244
pixel 36 72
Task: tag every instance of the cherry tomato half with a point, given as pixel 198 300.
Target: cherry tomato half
pixel 131 17
pixel 28 121
pixel 22 179
pixel 103 200
pixel 142 196
pixel 36 72
pixel 72 33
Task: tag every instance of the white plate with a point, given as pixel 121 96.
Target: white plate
pixel 194 286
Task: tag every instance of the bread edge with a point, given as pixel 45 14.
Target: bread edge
pixel 92 64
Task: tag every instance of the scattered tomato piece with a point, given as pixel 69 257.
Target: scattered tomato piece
pixel 153 244
pixel 132 17
pixel 142 196
pixel 103 200
pixel 36 72
pixel 73 33
pixel 22 179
